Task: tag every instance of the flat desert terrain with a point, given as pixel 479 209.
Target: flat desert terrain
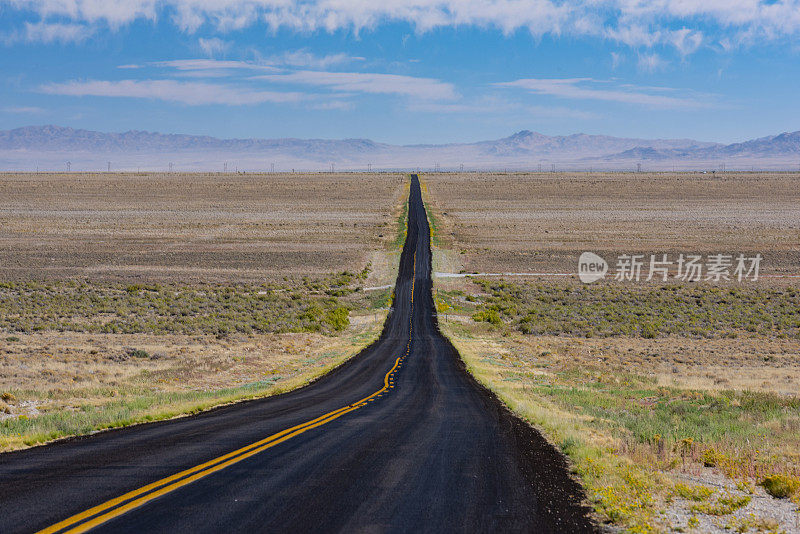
pixel 193 227
pixel 543 222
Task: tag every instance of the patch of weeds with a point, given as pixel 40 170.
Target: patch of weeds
pixel 693 493
pixel 138 353
pixel 726 504
pixel 488 316
pixel 781 486
pixel 605 310
pixel 753 523
pixel 304 305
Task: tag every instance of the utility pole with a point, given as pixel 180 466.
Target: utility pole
pixel 553 168
pixel 225 167
pixel 369 167
pixel 170 167
pixel 461 168
pixel 332 167
pixel 109 166
pixel 68 166
pixel 540 167
pixel 272 167
pixel 638 167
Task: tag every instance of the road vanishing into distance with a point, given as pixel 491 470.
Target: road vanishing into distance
pixel 399 439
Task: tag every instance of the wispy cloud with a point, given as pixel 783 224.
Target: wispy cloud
pixel 495 107
pixel 364 82
pixel 48 33
pixel 23 109
pixel 651 62
pixel 275 63
pixel 190 93
pixel 306 59
pixel 207 65
pixel 214 46
pixel 629 22
pixel 590 89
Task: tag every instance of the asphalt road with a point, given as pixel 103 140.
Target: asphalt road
pixel 399 439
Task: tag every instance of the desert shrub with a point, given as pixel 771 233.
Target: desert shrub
pixel 293 306
pixel 605 310
pixel 726 504
pixel 338 319
pixel 488 316
pixel 780 486
pixel 693 493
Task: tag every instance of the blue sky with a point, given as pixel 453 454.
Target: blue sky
pixel 411 71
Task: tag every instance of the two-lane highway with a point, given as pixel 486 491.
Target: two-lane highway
pixel 400 438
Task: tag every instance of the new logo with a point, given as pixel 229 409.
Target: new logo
pixel 591 267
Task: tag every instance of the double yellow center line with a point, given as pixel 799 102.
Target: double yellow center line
pixel 110 509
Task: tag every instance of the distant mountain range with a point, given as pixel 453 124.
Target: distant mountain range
pixel 49 147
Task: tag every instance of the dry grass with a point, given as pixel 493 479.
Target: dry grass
pixel 677 405
pixel 60 384
pixel 193 227
pixel 631 438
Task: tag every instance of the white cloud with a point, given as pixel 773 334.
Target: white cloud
pixel 303 58
pixel 650 62
pixel 616 60
pixel 213 46
pixel 209 65
pixel 49 33
pixel 190 93
pixel 276 63
pixel 686 41
pixel 630 22
pixel 364 82
pixel 589 89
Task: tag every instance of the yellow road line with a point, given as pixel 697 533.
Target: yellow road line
pixel 187 476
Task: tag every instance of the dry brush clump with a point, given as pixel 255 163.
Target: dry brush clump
pixel 308 305
pixel 605 310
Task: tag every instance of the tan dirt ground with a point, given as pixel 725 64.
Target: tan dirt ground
pixel 191 227
pixel 542 222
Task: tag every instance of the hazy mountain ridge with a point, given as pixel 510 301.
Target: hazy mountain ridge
pixel 51 146
pixel 784 144
pixel 63 138
pixel 527 141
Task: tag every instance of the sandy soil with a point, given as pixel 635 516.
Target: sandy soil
pixel 542 222
pixel 215 227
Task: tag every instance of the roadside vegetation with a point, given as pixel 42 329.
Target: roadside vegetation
pixel 82 389
pixel 653 455
pixel 80 356
pixel 605 310
pixel 308 305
